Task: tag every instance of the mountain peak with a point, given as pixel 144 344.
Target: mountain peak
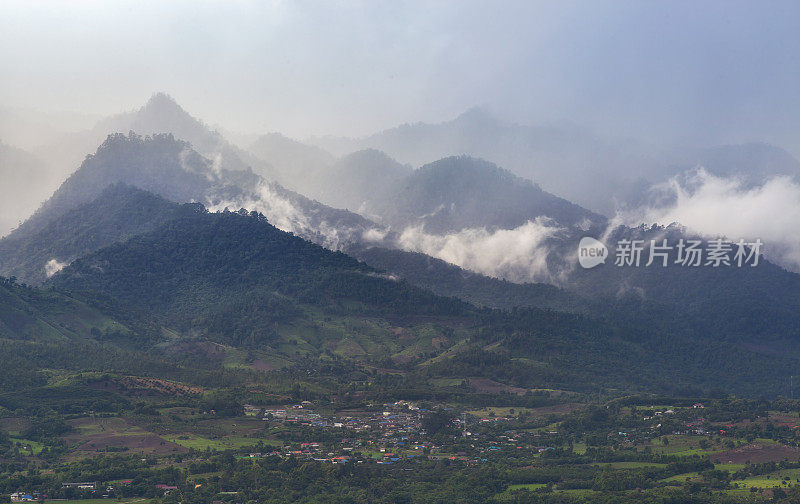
pixel 477 116
pixel 163 107
pixel 161 100
pixel 471 170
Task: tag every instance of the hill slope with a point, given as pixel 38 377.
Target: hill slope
pixel 198 271
pixel 160 164
pixel 119 212
pixel 171 169
pixel 237 280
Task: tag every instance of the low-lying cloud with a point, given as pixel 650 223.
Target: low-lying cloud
pixel 53 266
pixel 719 206
pixel 518 255
pixel 286 215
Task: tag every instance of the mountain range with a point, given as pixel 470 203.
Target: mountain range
pixel 599 173
pixel 231 278
pixel 171 242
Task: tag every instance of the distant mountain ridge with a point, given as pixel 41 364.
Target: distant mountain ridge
pixel 169 168
pixel 162 114
pixel 597 173
pixel 26 180
pixel 567 161
pixel 461 192
pixel 160 164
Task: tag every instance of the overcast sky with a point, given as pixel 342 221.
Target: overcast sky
pixel 721 71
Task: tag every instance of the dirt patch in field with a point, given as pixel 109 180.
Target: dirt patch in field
pixel 487 386
pixel 203 349
pixel 92 435
pixel 756 453
pixel 100 424
pixel 402 335
pixel 260 365
pixel 439 342
pixel 125 443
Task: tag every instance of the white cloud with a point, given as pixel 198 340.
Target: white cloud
pixel 518 254
pixel 284 214
pixel 374 235
pixel 53 266
pixel 717 206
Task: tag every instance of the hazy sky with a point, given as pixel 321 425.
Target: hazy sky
pixel 714 71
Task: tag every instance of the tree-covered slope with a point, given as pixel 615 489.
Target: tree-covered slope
pixel 755 306
pixel 32 314
pixel 119 212
pixel 237 280
pixel 446 279
pixel 219 272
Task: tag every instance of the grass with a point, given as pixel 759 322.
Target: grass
pixel 111 425
pixel 682 446
pixel 527 486
pixel 577 492
pixel 629 465
pixel 124 500
pixel 760 482
pixel 681 477
pixel 731 468
pixel 35 448
pixel 193 441
pixel 446 382
pixel 770 480
pixel 499 411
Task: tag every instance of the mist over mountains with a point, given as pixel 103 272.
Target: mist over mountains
pixel 511 220
pixel 449 252
pixel 412 251
pixel 26 182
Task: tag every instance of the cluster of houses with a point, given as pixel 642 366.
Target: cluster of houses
pixel 26 497
pixel 389 434
pixel 35 496
pixel 397 418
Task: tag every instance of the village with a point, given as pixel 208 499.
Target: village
pixel 408 434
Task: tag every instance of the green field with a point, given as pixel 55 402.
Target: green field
pixel 35 448
pixel 771 480
pixel 629 465
pixel 196 442
pixel 681 477
pixel 527 486
pixel 139 500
